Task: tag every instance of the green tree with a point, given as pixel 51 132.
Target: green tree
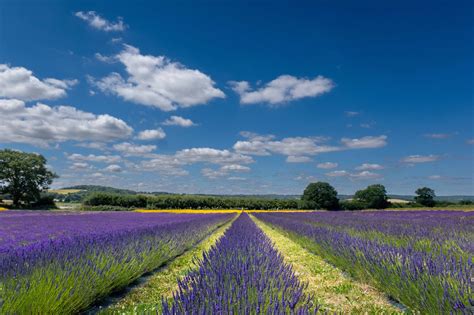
pixel 320 195
pixel 374 196
pixel 23 176
pixel 425 196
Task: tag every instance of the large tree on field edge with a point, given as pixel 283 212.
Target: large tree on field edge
pixel 320 195
pixel 24 176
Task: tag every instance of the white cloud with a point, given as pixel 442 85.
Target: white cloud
pixel 159 82
pixel 351 113
pixel 235 168
pixel 20 83
pixel 300 146
pixel 100 23
pixel 164 164
pixel 365 142
pixel 337 174
pixel 236 178
pixel 209 155
pixel 327 165
pixel 42 124
pixel 365 175
pixel 283 89
pixel 173 164
pixel 108 159
pixel 369 166
pixel 130 149
pixel 152 134
pixel 179 121
pixel 114 168
pixel 298 159
pixel 92 145
pixel 224 170
pixel 79 166
pixel 420 158
pixel 293 146
pixel 434 177
pixel 437 135
pixel 106 59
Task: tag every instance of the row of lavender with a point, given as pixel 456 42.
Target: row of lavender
pixel 422 259
pixel 63 262
pixel 241 274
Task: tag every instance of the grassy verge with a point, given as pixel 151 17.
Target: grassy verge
pixel 332 289
pixel 147 297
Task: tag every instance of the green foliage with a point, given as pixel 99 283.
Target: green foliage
pixel 106 201
pixel 112 199
pixel 320 195
pixel 425 196
pixel 352 205
pixel 45 201
pixel 374 196
pixel 24 176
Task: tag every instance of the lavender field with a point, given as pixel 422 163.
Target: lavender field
pixel 66 262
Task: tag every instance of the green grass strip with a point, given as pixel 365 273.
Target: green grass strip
pixel 147 297
pixel 331 288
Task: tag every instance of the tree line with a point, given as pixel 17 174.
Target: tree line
pixel 25 178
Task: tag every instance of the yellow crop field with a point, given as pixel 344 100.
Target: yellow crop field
pixel 64 191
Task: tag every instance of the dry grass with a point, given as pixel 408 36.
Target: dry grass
pixel 332 289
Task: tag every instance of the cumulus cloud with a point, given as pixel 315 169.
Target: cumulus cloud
pixel 364 175
pixel 108 159
pixel 130 149
pixel 152 134
pixel 351 113
pixel 365 142
pixel 327 165
pixel 215 156
pixel 224 170
pixel 437 135
pixel 42 124
pixel 179 121
pixel 228 162
pixel 100 23
pixel 292 146
pixel 158 82
pixel 164 164
pixel 298 159
pixel 337 174
pixel 20 83
pixel 79 166
pixel 114 168
pixel 281 90
pixel 369 167
pixel 420 158
pixel 300 146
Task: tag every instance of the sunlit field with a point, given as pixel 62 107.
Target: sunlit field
pixel 234 261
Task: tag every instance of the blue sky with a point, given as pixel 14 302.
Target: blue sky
pixel 239 97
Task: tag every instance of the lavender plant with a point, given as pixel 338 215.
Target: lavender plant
pixel 61 263
pixel 241 274
pixel 435 278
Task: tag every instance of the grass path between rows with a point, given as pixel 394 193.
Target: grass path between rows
pixel 331 288
pixel 147 297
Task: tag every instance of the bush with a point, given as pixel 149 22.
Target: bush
pixel 124 201
pixel 353 205
pixel 45 201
